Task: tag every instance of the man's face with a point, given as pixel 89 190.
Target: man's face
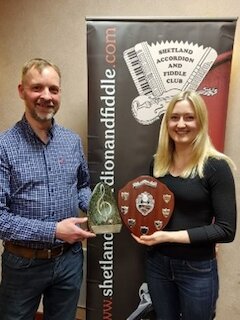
pixel 41 93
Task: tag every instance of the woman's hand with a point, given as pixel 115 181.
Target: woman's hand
pixel 162 237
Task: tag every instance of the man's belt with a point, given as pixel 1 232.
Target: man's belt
pixel 30 253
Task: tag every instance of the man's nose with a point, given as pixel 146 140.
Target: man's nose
pixel 46 94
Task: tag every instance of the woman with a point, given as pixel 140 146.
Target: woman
pixel 181 262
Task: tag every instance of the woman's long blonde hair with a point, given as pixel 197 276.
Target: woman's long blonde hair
pixel 202 145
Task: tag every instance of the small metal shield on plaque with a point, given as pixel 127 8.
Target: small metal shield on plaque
pixel 103 214
pixel 145 205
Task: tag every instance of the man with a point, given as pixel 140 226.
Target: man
pixel 44 181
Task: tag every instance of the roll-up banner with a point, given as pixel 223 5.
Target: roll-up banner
pixel 135 66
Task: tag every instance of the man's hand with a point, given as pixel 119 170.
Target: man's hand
pixel 70 230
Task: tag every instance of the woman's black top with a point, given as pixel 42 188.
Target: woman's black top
pixel 205 207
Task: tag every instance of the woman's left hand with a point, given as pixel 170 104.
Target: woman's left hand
pixel 149 240
pixel 163 236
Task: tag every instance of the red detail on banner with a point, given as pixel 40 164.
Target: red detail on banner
pixel 218 77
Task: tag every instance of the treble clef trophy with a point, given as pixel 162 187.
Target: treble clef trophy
pixel 145 205
pixel 103 214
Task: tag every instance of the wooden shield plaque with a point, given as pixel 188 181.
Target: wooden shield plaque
pixel 145 205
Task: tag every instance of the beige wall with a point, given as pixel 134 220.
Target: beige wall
pixel 55 29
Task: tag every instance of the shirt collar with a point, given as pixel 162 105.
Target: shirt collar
pixel 30 131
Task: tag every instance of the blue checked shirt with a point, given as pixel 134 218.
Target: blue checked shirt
pixel 40 184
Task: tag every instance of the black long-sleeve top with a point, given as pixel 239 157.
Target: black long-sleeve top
pixel 205 207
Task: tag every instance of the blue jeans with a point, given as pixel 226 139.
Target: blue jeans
pixel 24 281
pixel 182 289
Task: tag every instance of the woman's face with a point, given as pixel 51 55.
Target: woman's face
pixel 183 126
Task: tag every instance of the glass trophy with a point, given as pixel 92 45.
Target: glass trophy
pixel 103 214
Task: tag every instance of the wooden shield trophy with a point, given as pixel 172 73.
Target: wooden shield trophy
pixel 145 205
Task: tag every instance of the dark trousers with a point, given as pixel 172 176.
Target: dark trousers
pixel 182 289
pixel 25 281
